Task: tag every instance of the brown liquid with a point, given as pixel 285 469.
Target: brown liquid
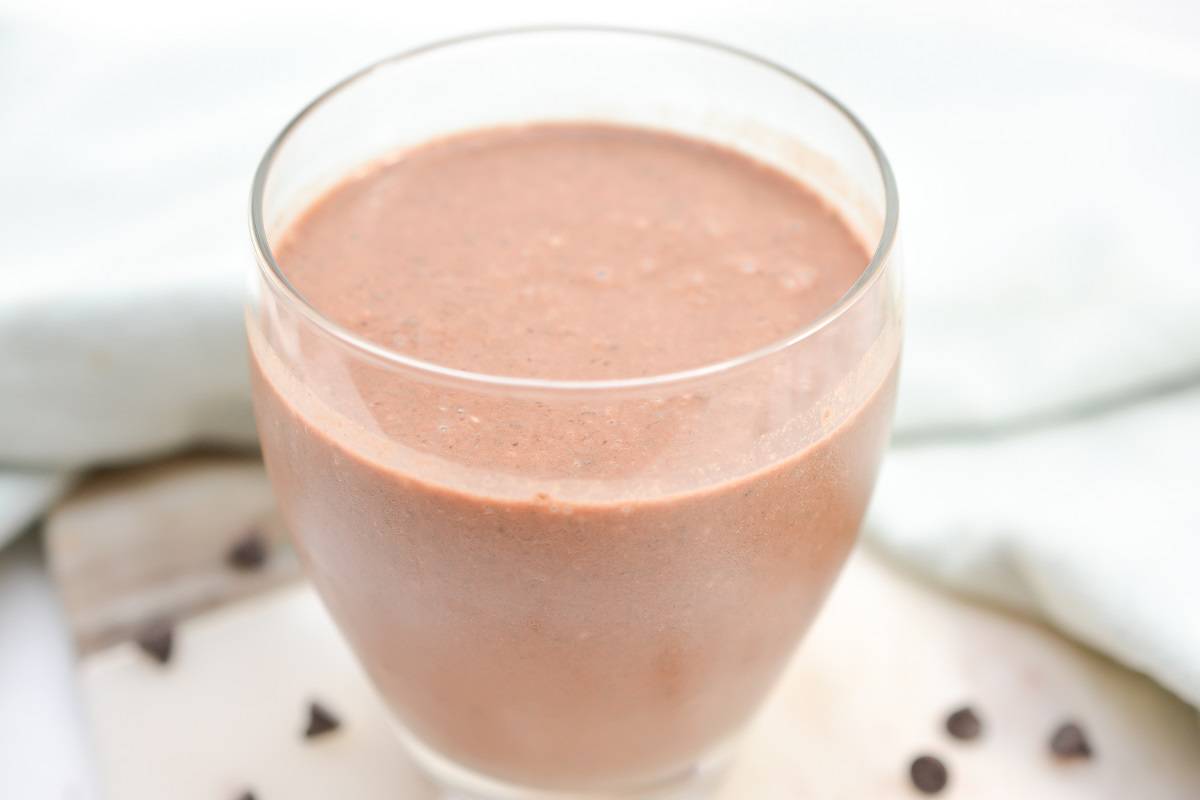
pixel 569 590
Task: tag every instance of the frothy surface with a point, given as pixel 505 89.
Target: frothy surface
pixel 572 251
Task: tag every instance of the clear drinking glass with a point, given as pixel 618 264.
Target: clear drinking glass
pixel 543 614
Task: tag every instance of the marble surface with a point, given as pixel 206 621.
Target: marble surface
pixel 867 693
pixel 887 659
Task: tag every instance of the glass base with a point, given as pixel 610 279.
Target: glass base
pixel 454 782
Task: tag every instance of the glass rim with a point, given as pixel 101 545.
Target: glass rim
pixel 274 275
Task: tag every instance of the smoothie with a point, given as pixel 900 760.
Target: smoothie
pixel 556 585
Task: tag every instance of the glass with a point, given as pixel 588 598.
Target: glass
pixel 566 622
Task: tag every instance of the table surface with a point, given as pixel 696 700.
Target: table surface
pixel 868 692
pixel 885 662
pixel 44 749
pixel 45 753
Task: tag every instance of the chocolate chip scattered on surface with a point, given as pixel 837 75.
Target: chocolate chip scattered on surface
pixel 928 774
pixel 249 553
pixel 157 640
pixel 321 721
pixel 247 796
pixel 1069 742
pixel 964 724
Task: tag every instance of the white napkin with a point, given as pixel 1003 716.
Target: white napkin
pixel 1050 409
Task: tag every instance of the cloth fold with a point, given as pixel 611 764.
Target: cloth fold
pixel 1091 524
pixel 1046 448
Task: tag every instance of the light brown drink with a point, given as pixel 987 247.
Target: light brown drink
pixel 573 589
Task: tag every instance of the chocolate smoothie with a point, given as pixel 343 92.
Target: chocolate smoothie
pixel 572 586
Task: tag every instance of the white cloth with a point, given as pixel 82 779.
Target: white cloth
pixel 1050 409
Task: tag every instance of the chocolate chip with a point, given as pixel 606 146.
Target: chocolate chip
pixel 247 796
pixel 964 724
pixel 320 721
pixel 157 640
pixel 928 774
pixel 249 553
pixel 1070 742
